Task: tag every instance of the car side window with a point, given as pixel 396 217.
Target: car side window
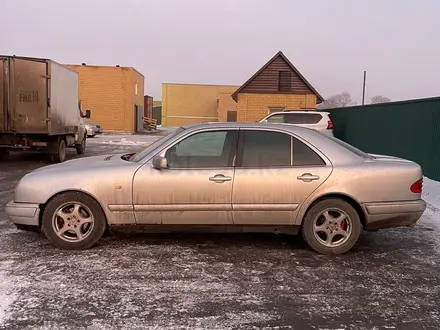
pixel 264 149
pixel 203 150
pixel 303 118
pixel 294 118
pixel 303 155
pixel 276 119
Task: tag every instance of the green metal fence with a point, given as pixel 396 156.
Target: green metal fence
pixel 408 129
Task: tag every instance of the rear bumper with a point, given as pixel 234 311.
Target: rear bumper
pixel 393 214
pixel 23 213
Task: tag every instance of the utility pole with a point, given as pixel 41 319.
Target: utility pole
pixel 363 88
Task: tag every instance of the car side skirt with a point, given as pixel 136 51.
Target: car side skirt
pixel 159 228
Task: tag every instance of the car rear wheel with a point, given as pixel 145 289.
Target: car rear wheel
pixel 73 221
pixel 331 226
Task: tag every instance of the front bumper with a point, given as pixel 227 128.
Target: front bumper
pixel 382 215
pixel 23 213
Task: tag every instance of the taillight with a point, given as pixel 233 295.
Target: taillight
pixel 329 124
pixel 417 186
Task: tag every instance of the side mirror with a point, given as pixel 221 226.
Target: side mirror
pixel 160 162
pixel 88 114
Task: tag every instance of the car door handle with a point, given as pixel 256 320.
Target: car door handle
pixel 307 177
pixel 220 178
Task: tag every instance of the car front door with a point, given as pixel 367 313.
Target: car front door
pixel 195 188
pixel 275 173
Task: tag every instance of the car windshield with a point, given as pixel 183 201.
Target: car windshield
pixel 137 157
pixel 351 148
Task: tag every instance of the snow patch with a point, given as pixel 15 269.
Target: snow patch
pixel 125 139
pixel 124 142
pixel 431 195
pixel 7 296
pixel 431 217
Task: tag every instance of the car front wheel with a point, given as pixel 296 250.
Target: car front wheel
pixel 331 226
pixel 73 221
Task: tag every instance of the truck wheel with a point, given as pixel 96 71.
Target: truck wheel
pixel 61 155
pixel 81 148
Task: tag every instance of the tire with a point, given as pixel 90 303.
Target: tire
pixel 322 225
pixel 80 215
pixel 60 156
pixel 81 148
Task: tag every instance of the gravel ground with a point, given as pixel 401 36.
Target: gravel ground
pixel 390 280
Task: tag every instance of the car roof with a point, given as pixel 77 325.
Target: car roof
pixel 336 152
pixel 297 111
pixel 245 125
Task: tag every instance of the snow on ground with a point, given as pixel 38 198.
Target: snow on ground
pixel 124 294
pixel 124 140
pixel 431 194
pixel 130 139
pixel 7 297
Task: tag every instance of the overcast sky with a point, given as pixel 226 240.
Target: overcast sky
pixel 226 41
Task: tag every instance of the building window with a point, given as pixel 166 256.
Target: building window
pixel 285 81
pixel 231 116
pixel 275 109
pixel 136 89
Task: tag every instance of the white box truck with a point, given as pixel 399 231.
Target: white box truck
pixel 40 108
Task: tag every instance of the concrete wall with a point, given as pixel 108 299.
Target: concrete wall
pixel 184 104
pixel 111 93
pixel 253 107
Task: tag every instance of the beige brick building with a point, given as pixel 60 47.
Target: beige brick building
pixel 184 104
pixel 114 95
pixel 277 86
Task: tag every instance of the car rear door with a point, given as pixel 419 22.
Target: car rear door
pixel 275 172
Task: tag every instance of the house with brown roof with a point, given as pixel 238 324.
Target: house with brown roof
pixel 276 86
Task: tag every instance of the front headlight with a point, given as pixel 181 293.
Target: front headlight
pixel 88 127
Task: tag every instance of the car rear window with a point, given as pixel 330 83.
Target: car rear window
pixel 302 118
pixel 347 146
pixel 304 156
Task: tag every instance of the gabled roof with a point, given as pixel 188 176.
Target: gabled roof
pixel 294 69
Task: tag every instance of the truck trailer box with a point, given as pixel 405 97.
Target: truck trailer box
pixel 40 107
pixel 37 96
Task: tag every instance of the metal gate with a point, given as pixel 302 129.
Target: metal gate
pixel 139 118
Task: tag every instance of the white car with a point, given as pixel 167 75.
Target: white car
pixel 317 120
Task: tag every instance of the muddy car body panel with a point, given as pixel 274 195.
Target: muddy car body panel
pixel 172 182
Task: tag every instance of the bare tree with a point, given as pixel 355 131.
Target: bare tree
pixel 337 101
pixel 379 99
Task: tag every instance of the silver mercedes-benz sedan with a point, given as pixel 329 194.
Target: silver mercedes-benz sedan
pixel 225 177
